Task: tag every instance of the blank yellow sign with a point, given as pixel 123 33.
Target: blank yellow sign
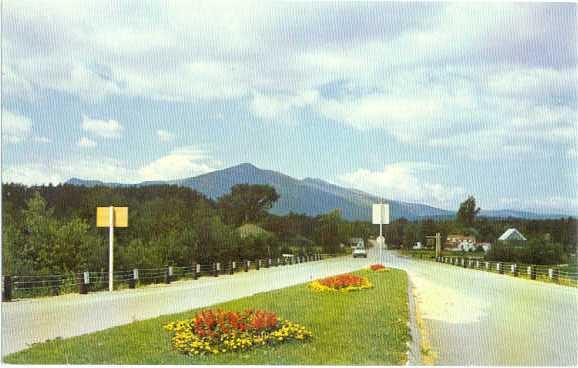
pixel 120 215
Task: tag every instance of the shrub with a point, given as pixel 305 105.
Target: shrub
pixel 344 283
pixel 217 331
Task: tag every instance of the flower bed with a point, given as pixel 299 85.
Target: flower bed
pixel 217 331
pixel 344 283
pixel 378 268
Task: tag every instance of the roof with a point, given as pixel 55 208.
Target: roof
pixel 512 234
pixel 252 230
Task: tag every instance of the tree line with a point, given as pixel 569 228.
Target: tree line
pixel 52 229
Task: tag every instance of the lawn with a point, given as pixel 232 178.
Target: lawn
pixel 367 327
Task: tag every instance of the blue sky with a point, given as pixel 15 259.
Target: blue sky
pixel 423 102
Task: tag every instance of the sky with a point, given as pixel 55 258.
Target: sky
pixel 422 102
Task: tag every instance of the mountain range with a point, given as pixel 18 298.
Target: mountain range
pixel 309 196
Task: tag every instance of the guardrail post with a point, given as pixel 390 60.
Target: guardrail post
pixel 7 289
pixel 487 265
pixel 82 284
pixel 247 265
pixel 533 272
pixel 268 263
pixel 556 275
pixel 478 264
pixel 515 270
pixel 500 268
pixel 233 267
pixel 56 287
pixel 550 273
pixel 277 262
pixel 216 268
pixel 167 275
pixel 133 280
pixel 194 271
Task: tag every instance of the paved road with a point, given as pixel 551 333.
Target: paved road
pixel 472 317
pixel 35 320
pixel 480 318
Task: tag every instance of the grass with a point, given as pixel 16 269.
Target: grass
pixel 368 327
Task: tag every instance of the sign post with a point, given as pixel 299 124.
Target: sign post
pixel 111 217
pixel 381 217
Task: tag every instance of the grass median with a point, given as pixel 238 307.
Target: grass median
pixel 367 327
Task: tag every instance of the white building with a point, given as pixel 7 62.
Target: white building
pixel 512 235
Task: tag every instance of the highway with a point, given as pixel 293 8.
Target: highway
pixel 471 317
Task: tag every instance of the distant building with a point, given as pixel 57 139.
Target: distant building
pixel 458 242
pixel 512 235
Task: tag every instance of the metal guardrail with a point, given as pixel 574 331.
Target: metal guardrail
pixel 533 272
pixel 30 286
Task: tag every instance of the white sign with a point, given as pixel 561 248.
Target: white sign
pixel 381 214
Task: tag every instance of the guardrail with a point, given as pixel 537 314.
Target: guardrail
pixel 30 286
pixel 532 272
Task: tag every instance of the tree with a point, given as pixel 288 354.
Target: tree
pixel 467 213
pixel 247 203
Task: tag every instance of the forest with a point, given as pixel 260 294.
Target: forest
pixel 51 229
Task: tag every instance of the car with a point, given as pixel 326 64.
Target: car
pixel 359 252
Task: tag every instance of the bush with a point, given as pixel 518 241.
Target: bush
pixel 534 251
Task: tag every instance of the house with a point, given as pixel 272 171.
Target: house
pixel 458 242
pixel 512 235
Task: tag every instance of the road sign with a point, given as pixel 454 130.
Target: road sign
pixel 111 217
pixel 120 216
pixel 381 214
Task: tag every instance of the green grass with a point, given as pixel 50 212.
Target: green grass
pixel 368 327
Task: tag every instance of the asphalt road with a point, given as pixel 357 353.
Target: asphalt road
pixel 471 317
pixel 36 320
pixel 480 318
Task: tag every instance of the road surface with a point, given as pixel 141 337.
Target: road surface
pixel 480 318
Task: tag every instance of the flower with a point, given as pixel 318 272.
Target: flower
pixel 217 331
pixel 343 283
pixel 378 268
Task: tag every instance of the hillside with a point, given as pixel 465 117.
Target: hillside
pixel 309 196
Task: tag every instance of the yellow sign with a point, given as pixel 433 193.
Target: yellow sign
pixel 120 216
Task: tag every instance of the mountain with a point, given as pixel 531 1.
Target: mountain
pixel 520 214
pixel 310 196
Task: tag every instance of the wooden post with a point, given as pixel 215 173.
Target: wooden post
pixel 167 276
pixel 56 287
pixel 247 265
pixel 7 290
pixel 258 264
pixel 194 270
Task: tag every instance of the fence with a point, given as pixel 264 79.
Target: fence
pixel 553 274
pixel 19 287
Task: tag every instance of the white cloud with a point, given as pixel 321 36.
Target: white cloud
pixel 405 181
pixel 165 135
pixel 279 107
pixel 15 128
pixel 42 139
pixel 551 204
pixel 86 143
pixel 102 128
pixel 180 163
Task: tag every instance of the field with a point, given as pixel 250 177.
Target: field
pixel 368 327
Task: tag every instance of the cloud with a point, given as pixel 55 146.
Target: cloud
pixel 15 128
pixel 405 181
pixel 165 135
pixel 102 128
pixel 180 163
pixel 86 143
pixel 276 107
pixel 549 204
